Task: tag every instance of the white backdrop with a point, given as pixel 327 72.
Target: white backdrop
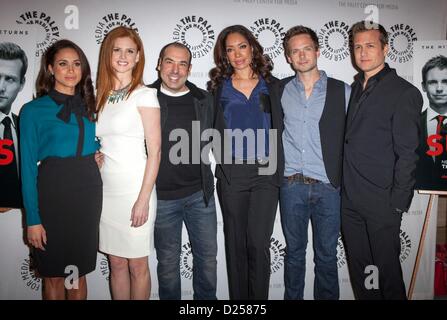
pixel 197 23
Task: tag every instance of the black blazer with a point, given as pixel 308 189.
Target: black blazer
pixel 15 119
pixel 331 125
pixel 380 145
pixel 11 197
pixel 223 170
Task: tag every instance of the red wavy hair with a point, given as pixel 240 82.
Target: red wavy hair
pixel 106 74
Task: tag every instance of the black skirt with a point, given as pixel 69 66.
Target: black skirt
pixel 70 203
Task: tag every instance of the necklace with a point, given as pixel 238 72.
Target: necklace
pixel 118 95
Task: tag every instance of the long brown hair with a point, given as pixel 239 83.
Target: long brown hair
pixel 45 81
pixel 223 69
pixel 106 74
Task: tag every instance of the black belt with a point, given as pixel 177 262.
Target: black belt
pixel 303 179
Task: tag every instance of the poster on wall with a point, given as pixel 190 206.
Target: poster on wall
pixel 17 51
pixel 430 76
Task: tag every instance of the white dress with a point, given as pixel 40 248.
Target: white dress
pixel 120 131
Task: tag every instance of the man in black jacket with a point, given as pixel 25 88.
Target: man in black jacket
pixel 185 183
pixel 431 173
pixel 13 66
pixel 382 135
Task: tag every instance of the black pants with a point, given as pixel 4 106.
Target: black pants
pixel 372 238
pixel 249 207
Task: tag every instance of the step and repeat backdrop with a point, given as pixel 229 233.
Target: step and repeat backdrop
pixel 34 25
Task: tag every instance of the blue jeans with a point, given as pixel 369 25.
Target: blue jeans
pixel 319 202
pixel 201 223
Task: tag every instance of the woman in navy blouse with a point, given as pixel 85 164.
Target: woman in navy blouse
pixel 61 183
pixel 250 167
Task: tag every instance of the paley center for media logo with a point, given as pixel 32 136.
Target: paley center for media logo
pixel 270 34
pixel 111 21
pixel 195 32
pixel 333 38
pixel 49 26
pixel 400 39
pixel 28 275
pixel 277 253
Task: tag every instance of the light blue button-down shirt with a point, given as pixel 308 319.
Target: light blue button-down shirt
pixel 301 136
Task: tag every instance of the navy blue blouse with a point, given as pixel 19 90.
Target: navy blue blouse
pixel 251 116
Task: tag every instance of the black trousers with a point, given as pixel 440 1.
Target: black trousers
pixel 372 238
pixel 249 207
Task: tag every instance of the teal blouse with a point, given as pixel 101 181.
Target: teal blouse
pixel 43 135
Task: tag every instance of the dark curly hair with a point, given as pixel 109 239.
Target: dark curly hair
pixel 223 69
pixel 45 81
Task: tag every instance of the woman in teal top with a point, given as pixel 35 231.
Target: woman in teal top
pixel 61 184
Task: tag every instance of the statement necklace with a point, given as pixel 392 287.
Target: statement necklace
pixel 118 95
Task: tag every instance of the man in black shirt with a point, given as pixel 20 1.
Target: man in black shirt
pixel 185 183
pixel 381 138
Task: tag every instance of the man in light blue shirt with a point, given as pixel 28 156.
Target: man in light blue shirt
pixel 314 107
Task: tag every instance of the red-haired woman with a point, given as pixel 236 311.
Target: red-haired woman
pixel 128 121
